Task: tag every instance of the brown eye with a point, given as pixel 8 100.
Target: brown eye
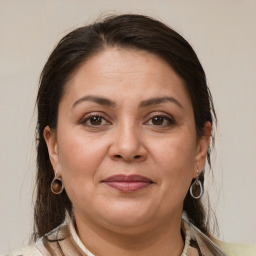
pixel 157 120
pixel 98 120
pixel 161 121
pixel 95 120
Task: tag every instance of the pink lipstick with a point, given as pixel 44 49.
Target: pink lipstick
pixel 128 183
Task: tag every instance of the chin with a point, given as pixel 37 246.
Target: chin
pixel 127 215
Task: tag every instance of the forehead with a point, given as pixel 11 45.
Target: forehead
pixel 114 62
pixel 114 72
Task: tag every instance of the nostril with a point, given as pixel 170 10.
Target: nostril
pixel 135 157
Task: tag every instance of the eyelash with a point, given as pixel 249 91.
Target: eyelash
pixel 91 115
pixel 170 120
pixel 102 116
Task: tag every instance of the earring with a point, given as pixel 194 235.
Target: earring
pixel 57 185
pixel 198 185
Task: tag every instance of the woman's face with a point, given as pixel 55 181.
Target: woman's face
pixel 126 145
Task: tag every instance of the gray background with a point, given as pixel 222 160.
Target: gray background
pixel 223 33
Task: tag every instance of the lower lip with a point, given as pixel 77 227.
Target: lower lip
pixel 131 186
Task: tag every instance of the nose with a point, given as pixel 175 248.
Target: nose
pixel 128 145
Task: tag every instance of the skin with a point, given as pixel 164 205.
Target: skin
pixel 156 140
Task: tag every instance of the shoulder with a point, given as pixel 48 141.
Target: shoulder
pixel 27 251
pixel 41 247
pixel 233 249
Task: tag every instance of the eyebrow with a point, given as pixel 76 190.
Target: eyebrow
pixel 155 101
pixel 96 99
pixel 107 102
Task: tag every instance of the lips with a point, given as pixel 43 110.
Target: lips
pixel 128 183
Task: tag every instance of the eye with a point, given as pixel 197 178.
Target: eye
pixel 157 120
pixel 94 120
pixel 160 120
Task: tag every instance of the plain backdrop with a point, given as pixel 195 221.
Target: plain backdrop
pixel 223 33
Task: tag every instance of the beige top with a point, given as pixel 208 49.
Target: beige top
pixel 64 241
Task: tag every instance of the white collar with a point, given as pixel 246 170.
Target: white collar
pixel 79 243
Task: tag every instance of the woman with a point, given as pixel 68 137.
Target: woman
pixel 125 119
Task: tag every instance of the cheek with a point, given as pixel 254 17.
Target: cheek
pixel 178 149
pixel 79 158
pixel 175 158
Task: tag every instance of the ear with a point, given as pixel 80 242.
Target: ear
pixel 202 147
pixel 51 141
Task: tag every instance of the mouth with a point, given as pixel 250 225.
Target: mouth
pixel 128 183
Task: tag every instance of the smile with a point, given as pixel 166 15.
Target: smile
pixel 128 183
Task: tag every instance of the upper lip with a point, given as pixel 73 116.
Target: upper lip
pixel 127 178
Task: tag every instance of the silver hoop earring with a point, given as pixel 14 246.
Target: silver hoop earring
pixel 197 184
pixel 57 185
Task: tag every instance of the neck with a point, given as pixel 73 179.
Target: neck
pixel 165 240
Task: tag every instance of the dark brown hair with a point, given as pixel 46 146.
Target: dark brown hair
pixel 123 31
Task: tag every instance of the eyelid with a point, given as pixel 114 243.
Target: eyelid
pixel 169 118
pixel 158 113
pixel 87 116
pixel 91 114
